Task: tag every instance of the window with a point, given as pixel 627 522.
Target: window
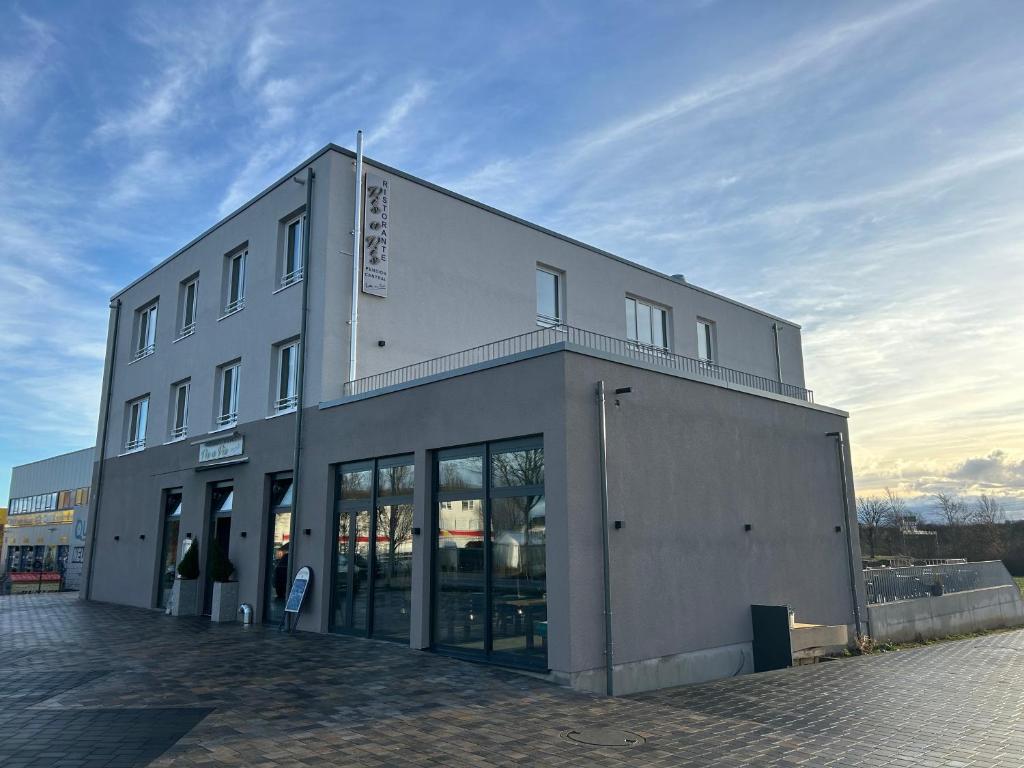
pixel 490 581
pixel 145 332
pixel 278 535
pixel 706 340
pixel 646 324
pixel 227 405
pixel 138 415
pixel 234 298
pixel 549 299
pixel 189 295
pixel 291 262
pixel 286 386
pixel 179 413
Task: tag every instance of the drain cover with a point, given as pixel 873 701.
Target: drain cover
pixel 604 737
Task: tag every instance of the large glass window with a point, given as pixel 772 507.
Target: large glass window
pixel 179 412
pixel 286 392
pixel 291 264
pixel 169 545
pixel 646 323
pixel 137 416
pixel 549 300
pixel 189 302
pixel 705 340
pixel 227 412
pixel 373 557
pixel 490 580
pixel 278 541
pixel 234 296
pixel 145 331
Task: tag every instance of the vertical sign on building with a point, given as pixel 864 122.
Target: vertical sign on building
pixel 376 228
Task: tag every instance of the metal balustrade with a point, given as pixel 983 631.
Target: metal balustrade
pixel 567 336
pixel 286 403
pixel 887 585
pixel 291 278
pixel 227 419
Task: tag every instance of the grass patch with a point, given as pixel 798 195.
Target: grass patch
pixel 1020 583
pixel 869 647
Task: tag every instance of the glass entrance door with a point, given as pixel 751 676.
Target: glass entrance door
pixel 169 547
pixel 372 587
pixel 222 505
pixel 276 577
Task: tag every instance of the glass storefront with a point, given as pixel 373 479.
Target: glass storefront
pixel 372 568
pixel 169 546
pixel 490 579
pixel 222 502
pixel 278 536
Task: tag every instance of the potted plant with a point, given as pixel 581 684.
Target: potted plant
pixel 224 605
pixel 185 592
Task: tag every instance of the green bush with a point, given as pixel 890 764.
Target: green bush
pixel 188 568
pixel 220 567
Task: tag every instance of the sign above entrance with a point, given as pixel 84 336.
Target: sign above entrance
pixel 376 229
pixel 221 449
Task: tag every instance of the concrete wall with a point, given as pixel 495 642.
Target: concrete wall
pixel 950 614
pixel 690 464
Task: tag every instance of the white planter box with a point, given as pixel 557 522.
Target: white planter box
pixel 225 601
pixel 185 597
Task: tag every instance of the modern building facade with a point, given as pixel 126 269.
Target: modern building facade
pixel 434 457
pixel 48 516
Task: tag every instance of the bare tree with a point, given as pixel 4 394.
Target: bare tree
pixel 897 506
pixel 952 509
pixel 873 512
pixel 988 511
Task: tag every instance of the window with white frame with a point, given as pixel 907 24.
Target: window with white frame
pixel 291 261
pixel 189 301
pixel 234 296
pixel 706 340
pixel 145 331
pixel 136 418
pixel 286 381
pixel 179 404
pixel 549 297
pixel 227 399
pixel 646 323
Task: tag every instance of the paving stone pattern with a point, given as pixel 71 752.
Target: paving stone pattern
pixel 85 684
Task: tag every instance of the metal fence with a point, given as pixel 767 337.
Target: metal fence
pixel 567 335
pixel 887 585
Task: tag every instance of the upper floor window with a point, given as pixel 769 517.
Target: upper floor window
pixel 549 297
pixel 646 324
pixel 291 258
pixel 286 395
pixel 234 296
pixel 136 418
pixel 706 340
pixel 145 331
pixel 179 404
pixel 189 291
pixel 227 404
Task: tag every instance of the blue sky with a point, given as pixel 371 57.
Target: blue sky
pixel 856 167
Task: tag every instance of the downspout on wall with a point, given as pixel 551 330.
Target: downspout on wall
pixel 300 370
pixel 101 445
pixel 357 237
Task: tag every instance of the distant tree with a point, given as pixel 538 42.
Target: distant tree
pixel 952 509
pixel 897 506
pixel 873 512
pixel 988 511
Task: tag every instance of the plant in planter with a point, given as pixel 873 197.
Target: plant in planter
pixel 225 592
pixel 185 592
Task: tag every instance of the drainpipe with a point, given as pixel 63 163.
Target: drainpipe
pixel 603 442
pixel 300 371
pixel 94 512
pixel 841 448
pixel 357 237
pixel 778 354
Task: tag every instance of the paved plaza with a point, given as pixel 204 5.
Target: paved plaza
pixel 94 685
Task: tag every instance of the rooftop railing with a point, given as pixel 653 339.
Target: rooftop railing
pixel 887 585
pixel 566 336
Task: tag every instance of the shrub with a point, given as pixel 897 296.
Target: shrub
pixel 188 568
pixel 220 567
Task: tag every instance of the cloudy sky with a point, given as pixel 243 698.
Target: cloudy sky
pixel 856 167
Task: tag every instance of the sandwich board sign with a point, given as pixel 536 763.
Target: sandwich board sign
pixel 298 591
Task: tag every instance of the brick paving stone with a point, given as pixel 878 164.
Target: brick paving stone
pixel 89 685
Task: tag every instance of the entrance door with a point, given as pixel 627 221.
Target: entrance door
pixel 352 580
pixel 169 547
pixel 220 532
pixel 276 577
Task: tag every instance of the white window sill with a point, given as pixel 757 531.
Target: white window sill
pixel 232 312
pixel 283 412
pixel 176 440
pixel 141 357
pixel 286 287
pixel 184 336
pixel 225 428
pixel 548 322
pixel 133 450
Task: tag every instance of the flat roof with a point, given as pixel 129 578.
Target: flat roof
pixel 470 201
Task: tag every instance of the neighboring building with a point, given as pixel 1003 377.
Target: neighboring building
pixel 450 496
pixel 47 520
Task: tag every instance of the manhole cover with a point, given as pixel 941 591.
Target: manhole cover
pixel 604 737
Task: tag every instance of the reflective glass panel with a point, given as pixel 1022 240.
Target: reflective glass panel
pixel 517 467
pixel 277 565
pixel 518 577
pixel 466 472
pixel 356 484
pixel 395 481
pixel 392 590
pixel 460 603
